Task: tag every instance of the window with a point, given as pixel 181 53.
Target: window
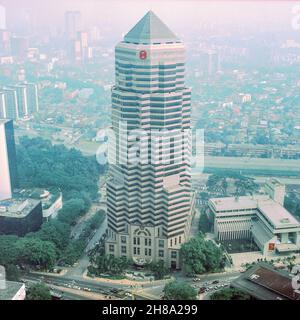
pixel 138 251
pixel 149 252
pixel 123 249
pixel 171 242
pixel 134 240
pixel 134 250
pixel 179 239
pixel 111 248
pixel 175 241
pixel 161 253
pixel 146 252
pixel 123 239
pixel 161 243
pixel 146 241
pixel 149 242
pixel 174 254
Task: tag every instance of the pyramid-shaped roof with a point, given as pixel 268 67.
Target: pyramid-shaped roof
pixel 150 29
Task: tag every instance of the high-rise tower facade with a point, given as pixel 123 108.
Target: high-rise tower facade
pixel 149 199
pixel 8 160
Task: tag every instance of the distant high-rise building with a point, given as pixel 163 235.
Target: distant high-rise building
pixel 8 160
pixel 10 107
pixel 22 100
pixel 5 44
pixel 150 203
pixel 2 106
pixel 19 46
pixel 81 50
pixel 32 97
pixel 72 24
pixel 209 62
pixel 2 18
pixel 19 101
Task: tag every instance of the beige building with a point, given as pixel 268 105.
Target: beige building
pixel 261 218
pixel 150 203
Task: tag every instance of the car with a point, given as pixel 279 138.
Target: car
pixel 215 282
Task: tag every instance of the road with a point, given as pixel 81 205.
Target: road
pixel 80 267
pixel 155 291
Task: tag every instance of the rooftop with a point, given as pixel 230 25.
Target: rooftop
pixel 17 208
pixel 276 213
pixel 264 282
pixel 150 30
pixel 237 203
pixel 272 210
pixel 12 288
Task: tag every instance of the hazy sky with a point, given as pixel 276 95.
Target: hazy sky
pixel 178 14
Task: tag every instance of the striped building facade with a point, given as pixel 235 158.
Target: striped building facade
pixel 149 199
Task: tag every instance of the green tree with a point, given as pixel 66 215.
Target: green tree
pixel 38 292
pixel 179 291
pixel 230 294
pixel 35 252
pixel 199 256
pixel 109 264
pixel 159 270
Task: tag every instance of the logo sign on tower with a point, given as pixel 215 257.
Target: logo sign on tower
pixel 143 55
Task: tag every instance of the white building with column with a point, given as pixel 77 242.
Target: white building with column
pixel 149 198
pixel 261 218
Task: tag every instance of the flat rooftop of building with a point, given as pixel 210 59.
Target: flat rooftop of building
pixel 17 208
pixel 237 203
pixel 48 197
pixel 12 288
pixel 276 214
pixel 264 282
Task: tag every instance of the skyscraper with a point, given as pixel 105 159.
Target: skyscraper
pixel 2 18
pixel 10 105
pixel 32 97
pixel 72 24
pixel 8 160
pixel 150 204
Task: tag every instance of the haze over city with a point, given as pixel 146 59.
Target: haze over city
pixel 149 150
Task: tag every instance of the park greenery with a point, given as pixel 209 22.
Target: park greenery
pixel 176 290
pixel 201 256
pixel 230 294
pixel 205 224
pixel 218 184
pixel 38 291
pixel 108 264
pixel 43 165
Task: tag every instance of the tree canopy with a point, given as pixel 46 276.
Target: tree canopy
pixel 230 294
pixel 179 291
pixel 200 256
pixel 38 292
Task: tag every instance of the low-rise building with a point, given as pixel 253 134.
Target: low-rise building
pixel 264 282
pixel 12 291
pixel 19 217
pixel 52 200
pixel 260 218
